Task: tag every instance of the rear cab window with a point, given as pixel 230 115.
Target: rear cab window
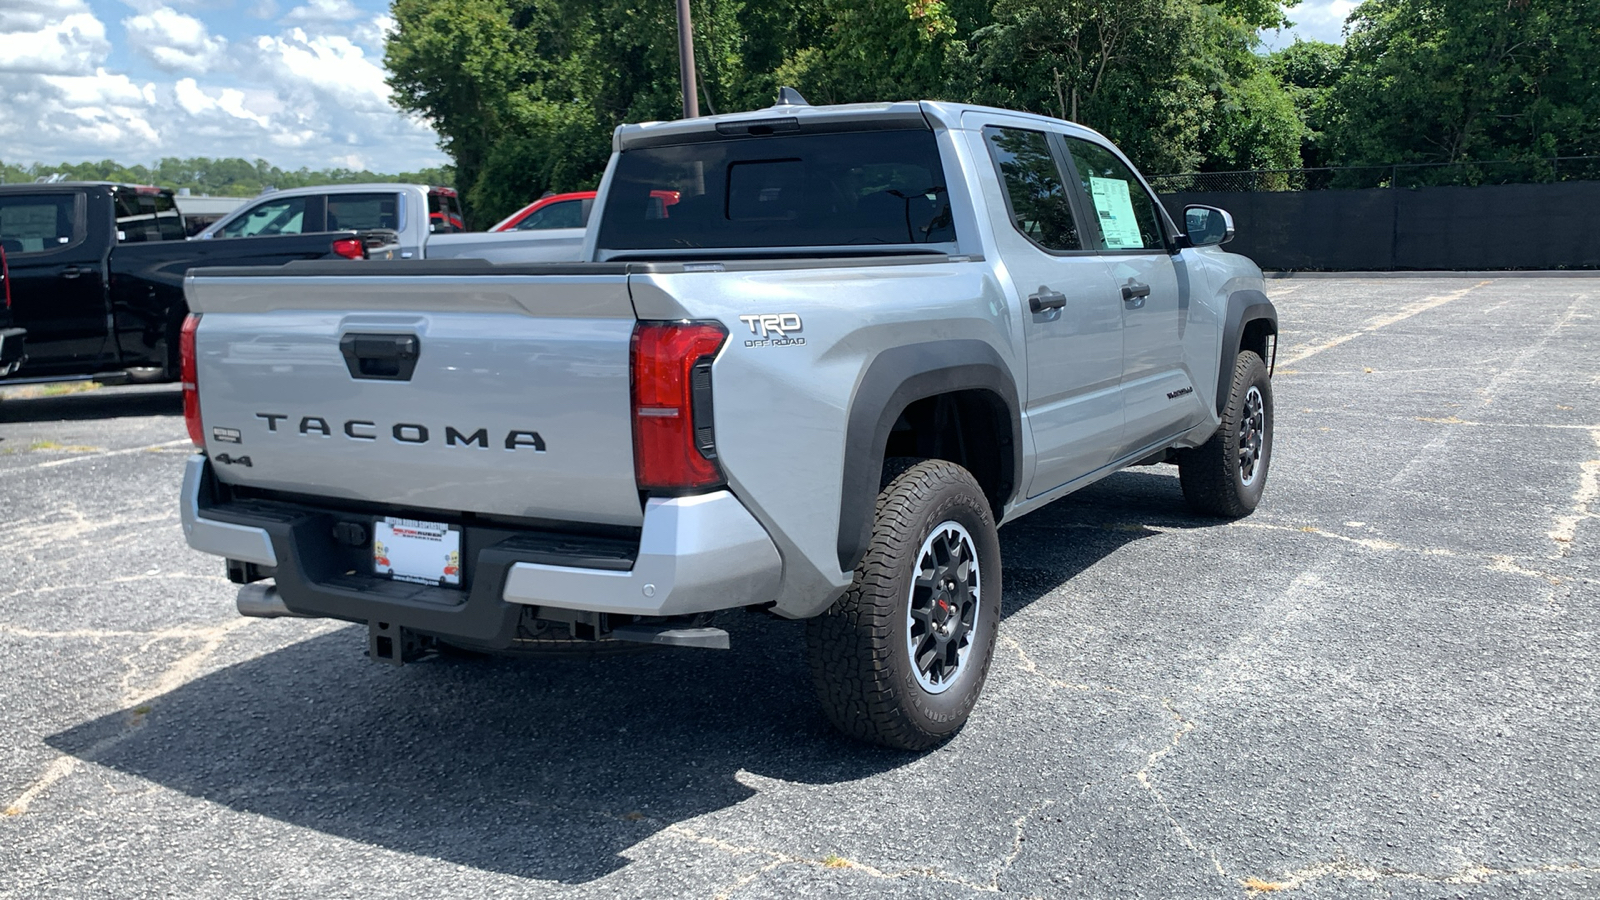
pixel 1124 211
pixel 39 223
pixel 147 214
pixel 444 212
pixel 875 190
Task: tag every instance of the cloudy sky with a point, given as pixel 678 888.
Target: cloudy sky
pixel 295 82
pixel 1315 20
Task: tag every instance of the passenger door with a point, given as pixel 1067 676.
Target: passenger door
pixel 1071 318
pixel 58 287
pixel 1129 233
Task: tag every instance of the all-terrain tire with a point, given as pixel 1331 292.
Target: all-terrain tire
pixel 861 649
pixel 1226 475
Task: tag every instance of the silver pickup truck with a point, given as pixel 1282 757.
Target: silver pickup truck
pixel 860 339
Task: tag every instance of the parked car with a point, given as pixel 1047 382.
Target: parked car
pixel 865 337
pixel 413 211
pixel 567 211
pixel 428 221
pixel 95 271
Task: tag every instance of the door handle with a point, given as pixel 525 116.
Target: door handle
pixel 1046 300
pixel 1134 291
pixel 71 272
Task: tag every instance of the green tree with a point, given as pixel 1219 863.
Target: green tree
pixel 1176 83
pixel 1453 80
pixel 1308 71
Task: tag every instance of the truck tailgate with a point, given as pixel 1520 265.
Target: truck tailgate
pixel 506 394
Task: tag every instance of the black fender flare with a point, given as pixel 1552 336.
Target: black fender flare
pixel 1244 307
pixel 894 380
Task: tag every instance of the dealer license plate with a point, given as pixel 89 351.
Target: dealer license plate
pixel 421 552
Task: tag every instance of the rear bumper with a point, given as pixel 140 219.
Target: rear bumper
pixel 694 554
pixel 12 352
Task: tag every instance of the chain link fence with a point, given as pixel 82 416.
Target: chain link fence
pixel 1545 170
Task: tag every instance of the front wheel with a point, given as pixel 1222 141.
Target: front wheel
pixel 1226 475
pixel 901 658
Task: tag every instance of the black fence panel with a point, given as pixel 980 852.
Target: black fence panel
pixel 1509 226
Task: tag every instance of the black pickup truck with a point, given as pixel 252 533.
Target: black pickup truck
pixel 96 278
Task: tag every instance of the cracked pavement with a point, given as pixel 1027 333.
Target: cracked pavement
pixel 1381 684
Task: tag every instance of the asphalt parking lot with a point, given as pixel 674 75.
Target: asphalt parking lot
pixel 1381 684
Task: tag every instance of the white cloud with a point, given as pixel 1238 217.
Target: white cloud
pixel 175 42
pixel 51 37
pixel 105 111
pixel 323 12
pixel 229 101
pixel 327 65
pixel 312 95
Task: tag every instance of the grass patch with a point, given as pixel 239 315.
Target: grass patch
pixel 66 448
pixel 68 387
pixel 835 861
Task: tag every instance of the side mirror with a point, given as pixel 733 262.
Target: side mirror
pixel 1207 225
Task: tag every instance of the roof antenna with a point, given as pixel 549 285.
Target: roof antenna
pixel 788 96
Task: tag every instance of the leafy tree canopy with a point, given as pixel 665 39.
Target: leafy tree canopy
pixel 525 93
pixel 1452 80
pixel 216 177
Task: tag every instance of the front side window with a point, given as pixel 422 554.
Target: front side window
pixel 35 223
pixel 566 214
pixel 360 212
pixel 1126 213
pixel 286 215
pixel 859 189
pixel 1038 197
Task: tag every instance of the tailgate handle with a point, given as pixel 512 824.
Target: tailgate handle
pixel 388 357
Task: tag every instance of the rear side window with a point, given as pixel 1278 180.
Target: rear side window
pixel 147 217
pixel 1035 194
pixel 361 212
pixel 566 214
pixel 811 190
pixel 1125 211
pixel 286 215
pixel 35 223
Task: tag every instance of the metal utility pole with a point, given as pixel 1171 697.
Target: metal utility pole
pixel 691 94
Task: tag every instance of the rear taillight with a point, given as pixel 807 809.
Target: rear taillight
pixel 5 278
pixel 674 447
pixel 350 248
pixel 191 389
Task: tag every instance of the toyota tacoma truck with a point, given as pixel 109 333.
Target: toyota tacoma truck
pixel 865 337
pixel 96 278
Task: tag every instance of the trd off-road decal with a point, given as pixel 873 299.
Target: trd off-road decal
pixel 773 330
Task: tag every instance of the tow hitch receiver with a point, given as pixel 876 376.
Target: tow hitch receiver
pixel 389 643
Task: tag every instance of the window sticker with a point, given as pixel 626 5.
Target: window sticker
pixel 1118 224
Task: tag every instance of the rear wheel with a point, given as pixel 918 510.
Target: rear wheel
pixel 1226 475
pixel 901 658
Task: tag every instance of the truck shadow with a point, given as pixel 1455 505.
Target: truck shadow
pixel 551 768
pixel 92 404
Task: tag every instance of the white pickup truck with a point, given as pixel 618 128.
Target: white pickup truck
pixel 427 220
pixel 863 338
